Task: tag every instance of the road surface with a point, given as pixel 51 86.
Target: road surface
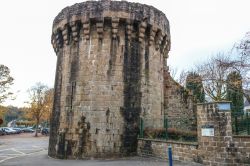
pixel 27 150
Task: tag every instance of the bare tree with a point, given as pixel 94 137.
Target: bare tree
pixel 178 77
pixel 215 70
pixel 239 61
pixel 214 76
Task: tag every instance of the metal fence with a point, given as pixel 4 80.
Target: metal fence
pixel 158 128
pixel 241 123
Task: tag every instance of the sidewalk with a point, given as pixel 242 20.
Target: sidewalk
pixel 41 159
pixel 27 150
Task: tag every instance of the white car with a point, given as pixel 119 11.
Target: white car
pixel 9 130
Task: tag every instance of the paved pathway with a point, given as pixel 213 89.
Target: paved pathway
pixel 26 150
pixel 16 146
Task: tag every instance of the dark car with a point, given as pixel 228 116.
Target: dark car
pixel 2 132
pixel 45 131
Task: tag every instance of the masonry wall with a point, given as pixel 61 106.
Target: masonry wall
pixel 111 58
pixel 213 148
pixel 222 148
pixel 182 151
pixel 239 150
pixel 179 105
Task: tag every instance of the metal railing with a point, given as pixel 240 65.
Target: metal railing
pixel 158 128
pixel 240 123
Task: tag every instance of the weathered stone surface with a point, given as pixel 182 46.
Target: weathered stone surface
pixel 179 106
pixel 110 71
pixel 221 149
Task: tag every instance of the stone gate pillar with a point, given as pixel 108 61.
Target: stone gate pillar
pixel 111 61
pixel 214 132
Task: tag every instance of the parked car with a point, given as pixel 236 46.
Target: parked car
pixel 45 131
pixel 18 130
pixel 22 129
pixel 9 131
pixel 28 130
pixel 2 132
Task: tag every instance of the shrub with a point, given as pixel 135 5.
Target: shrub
pixel 173 134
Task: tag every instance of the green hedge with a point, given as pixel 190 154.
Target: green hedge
pixel 172 134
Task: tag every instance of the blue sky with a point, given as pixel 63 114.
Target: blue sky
pixel 199 29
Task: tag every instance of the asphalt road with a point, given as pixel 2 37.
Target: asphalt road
pixel 27 150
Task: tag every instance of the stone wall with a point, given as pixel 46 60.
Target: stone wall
pixel 111 60
pixel 240 149
pixel 212 148
pixel 217 148
pixel 179 105
pixel 222 148
pixel 182 151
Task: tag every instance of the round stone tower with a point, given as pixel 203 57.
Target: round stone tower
pixel 111 59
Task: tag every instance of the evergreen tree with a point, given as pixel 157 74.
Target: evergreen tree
pixel 194 84
pixel 235 92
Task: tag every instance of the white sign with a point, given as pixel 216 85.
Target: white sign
pixel 207 132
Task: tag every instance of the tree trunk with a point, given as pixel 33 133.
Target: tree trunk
pixel 37 122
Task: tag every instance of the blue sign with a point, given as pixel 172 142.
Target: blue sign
pixel 224 106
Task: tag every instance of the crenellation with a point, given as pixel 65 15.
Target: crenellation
pixel 59 39
pixel 86 29
pixel 104 10
pixel 115 23
pixel 65 34
pixel 152 35
pixel 142 29
pixel 129 30
pixel 159 39
pixel 99 29
pixel 75 30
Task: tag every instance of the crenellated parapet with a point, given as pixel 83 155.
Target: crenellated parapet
pixel 76 23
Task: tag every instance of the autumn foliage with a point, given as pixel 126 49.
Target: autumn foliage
pixel 40 104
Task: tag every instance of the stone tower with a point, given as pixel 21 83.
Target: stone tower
pixel 111 60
